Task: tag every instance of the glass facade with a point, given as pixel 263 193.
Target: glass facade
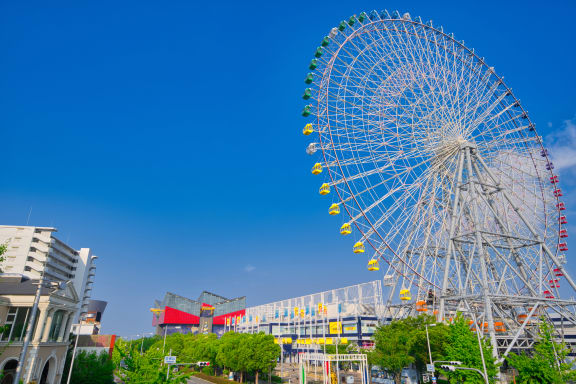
pixel 222 305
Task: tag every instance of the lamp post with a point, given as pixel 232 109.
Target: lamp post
pixel 453 368
pixel 428 342
pixel 30 327
pixel 79 325
pixel 485 375
pixel 142 343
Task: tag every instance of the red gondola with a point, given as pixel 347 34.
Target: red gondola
pixel 558 272
pixel 562 220
pixel 560 206
pixel 563 233
pixel 557 192
pixel 554 179
pixel 563 247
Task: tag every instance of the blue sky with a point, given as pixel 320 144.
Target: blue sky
pixel 167 136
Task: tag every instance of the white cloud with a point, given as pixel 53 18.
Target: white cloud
pixel 562 147
pixel 249 268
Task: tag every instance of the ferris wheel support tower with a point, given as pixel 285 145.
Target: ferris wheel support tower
pixel 482 188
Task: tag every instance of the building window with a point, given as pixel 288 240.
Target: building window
pixel 369 326
pixel 16 323
pixel 57 320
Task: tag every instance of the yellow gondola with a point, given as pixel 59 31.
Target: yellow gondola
pixel 317 169
pixel 345 229
pixel 334 209
pixel 373 265
pixel 324 189
pixel 308 129
pixel 358 247
pixel 405 295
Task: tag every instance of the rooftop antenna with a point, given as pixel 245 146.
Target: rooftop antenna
pixel 29 213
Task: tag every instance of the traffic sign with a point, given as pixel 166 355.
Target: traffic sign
pixel 433 379
pixel 203 363
pixel 169 359
pixel 430 368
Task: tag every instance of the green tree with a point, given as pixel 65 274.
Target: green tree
pixel 3 248
pixel 392 348
pixel 547 363
pixel 201 348
pixel 143 368
pixel 342 349
pixel 438 336
pixel 90 368
pixel 462 345
pixel 263 353
pixel 233 352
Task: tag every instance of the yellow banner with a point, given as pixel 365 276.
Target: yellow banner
pixel 335 327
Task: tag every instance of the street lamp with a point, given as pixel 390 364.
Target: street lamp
pixel 452 368
pixel 142 343
pixel 79 326
pixel 428 342
pixel 55 284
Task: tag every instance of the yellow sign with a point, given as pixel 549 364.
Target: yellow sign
pixel 335 327
pixel 351 328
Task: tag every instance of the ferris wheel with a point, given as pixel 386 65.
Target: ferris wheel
pixel 439 175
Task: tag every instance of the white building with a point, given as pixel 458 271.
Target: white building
pixel 35 250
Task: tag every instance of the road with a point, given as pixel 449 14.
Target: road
pixel 197 380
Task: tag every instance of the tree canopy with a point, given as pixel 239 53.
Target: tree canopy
pixel 239 352
pixel 547 363
pixel 403 342
pixel 462 345
pixel 91 368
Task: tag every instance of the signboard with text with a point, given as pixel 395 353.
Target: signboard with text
pixel 335 327
pixel 169 359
